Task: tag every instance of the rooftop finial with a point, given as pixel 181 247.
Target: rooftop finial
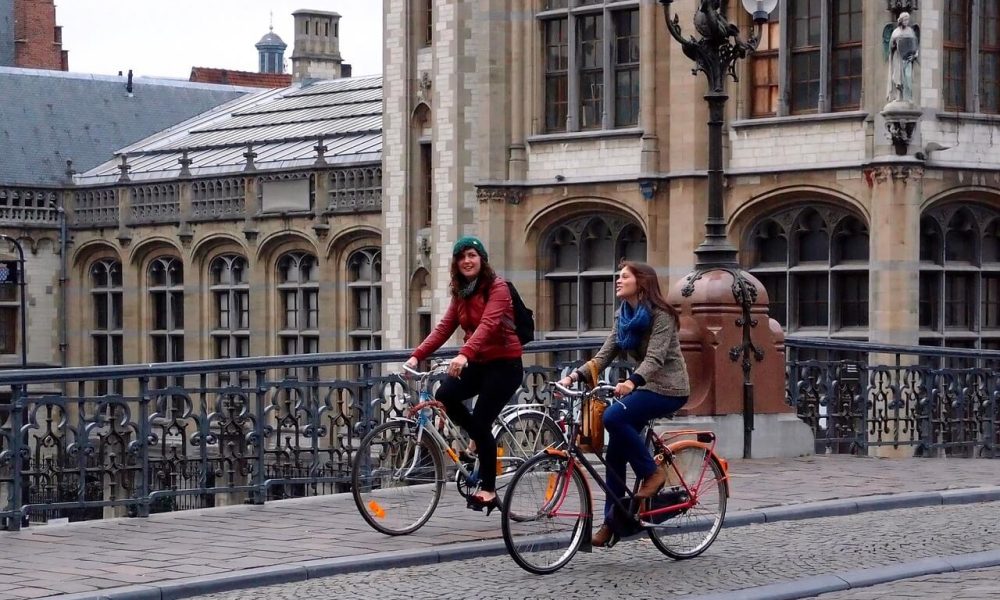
pixel 271 28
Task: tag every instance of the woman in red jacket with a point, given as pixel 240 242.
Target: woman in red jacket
pixel 489 363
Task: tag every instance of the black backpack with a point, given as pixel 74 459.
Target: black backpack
pixel 524 317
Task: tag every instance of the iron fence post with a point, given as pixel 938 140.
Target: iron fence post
pixel 142 447
pixel 259 495
pixel 18 448
pixel 365 397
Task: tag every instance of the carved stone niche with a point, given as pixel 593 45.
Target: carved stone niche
pixel 901 124
pixel 423 248
pixel 900 6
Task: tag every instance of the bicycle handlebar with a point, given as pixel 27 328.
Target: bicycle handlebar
pixel 603 387
pixel 415 372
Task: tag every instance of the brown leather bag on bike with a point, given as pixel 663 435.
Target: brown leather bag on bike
pixel 591 437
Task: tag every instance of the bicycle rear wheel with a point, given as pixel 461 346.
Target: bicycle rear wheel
pixel 397 481
pixel 546 513
pixel 690 532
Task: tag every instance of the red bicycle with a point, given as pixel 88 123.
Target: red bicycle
pixel 548 508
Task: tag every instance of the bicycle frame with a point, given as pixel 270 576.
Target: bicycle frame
pixel 436 423
pixel 705 440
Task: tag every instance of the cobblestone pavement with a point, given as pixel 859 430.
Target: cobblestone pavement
pixel 980 584
pixel 740 558
pixel 83 557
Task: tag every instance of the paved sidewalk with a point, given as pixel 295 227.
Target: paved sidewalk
pixel 83 557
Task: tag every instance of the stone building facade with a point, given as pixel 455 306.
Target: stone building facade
pixel 571 134
pixel 250 230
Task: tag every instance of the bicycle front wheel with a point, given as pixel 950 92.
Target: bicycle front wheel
pixel 522 435
pixel 691 531
pixel 546 513
pixel 397 481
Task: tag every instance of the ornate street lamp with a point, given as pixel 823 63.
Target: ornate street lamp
pixel 715 54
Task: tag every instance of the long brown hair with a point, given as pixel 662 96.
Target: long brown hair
pixel 648 285
pixel 486 276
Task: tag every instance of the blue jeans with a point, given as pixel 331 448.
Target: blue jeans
pixel 624 421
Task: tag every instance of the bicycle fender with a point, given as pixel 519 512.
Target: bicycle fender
pixel 508 418
pixel 682 444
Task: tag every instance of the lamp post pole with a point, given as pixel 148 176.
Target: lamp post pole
pixel 716 54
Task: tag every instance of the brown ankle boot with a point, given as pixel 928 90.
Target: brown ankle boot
pixel 653 483
pixel 602 537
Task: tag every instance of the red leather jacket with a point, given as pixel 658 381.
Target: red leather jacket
pixel 488 325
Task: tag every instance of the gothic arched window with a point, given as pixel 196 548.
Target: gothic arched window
pixel 960 276
pixel 814 265
pixel 298 301
pixel 166 297
pixel 107 329
pixel 584 255
pixel 230 289
pixel 364 279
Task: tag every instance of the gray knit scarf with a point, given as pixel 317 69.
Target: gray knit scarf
pixel 468 288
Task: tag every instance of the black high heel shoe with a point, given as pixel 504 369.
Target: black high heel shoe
pixel 478 504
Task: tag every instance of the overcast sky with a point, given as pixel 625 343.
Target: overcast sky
pixel 167 37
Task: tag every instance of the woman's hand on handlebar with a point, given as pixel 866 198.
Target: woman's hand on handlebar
pixel 456 365
pixel 566 381
pixel 411 364
pixel 624 388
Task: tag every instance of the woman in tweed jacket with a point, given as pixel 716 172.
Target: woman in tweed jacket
pixel 646 331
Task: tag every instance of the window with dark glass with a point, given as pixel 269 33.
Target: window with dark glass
pixel 956 41
pixel 106 332
pixel 845 56
pixel 626 67
pixel 166 294
pixel 814 266
pixel 971 32
pixel 298 293
pixel 230 289
pixel 960 275
pixel 764 70
pixel 989 58
pixel 556 74
pixel 9 324
pixel 810 59
pixel 428 22
pixel 584 257
pixel 591 64
pixel 427 181
pixel 364 269
pixel 805 21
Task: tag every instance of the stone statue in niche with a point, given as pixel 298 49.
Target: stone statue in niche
pixel 902 48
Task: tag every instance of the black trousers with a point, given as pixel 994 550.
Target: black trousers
pixel 495 382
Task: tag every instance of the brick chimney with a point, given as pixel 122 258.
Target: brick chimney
pixel 37 38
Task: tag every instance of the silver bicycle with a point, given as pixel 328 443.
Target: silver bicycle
pixel 400 470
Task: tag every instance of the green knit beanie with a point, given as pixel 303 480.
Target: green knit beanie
pixel 467 242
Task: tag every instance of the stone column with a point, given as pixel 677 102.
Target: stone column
pixel 894 279
pixel 517 167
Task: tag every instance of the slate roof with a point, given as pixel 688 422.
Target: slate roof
pixel 49 117
pixel 244 78
pixel 283 126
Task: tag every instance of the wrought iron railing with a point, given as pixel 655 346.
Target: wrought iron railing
pixel 859 396
pixel 188 435
pixel 203 433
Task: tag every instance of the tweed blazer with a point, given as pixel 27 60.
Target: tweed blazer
pixel 661 368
